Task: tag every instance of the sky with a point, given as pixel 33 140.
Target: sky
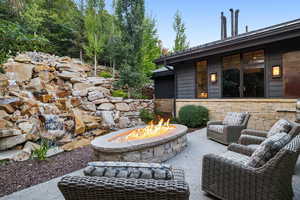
pixel 202 17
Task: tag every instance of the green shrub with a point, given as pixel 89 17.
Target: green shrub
pixel 105 74
pixel 41 152
pixel 193 116
pixel 146 116
pixel 119 93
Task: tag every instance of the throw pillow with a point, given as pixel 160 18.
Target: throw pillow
pixel 234 118
pixel 129 170
pixel 268 149
pixel 280 126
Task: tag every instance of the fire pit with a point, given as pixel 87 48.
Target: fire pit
pixel 151 143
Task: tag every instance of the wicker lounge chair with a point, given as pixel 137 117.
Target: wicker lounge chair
pixel 96 188
pixel 229 178
pixel 226 134
pixel 252 138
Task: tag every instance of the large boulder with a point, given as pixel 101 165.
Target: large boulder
pixel 9 142
pixel 19 71
pixel 9 132
pixel 79 124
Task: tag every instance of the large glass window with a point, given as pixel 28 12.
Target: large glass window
pixel 243 75
pixel 201 68
pixel 254 72
pixel 231 76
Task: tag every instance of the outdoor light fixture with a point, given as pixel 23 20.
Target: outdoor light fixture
pixel 276 71
pixel 213 77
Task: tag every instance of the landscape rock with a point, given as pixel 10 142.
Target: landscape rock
pixel 68 75
pixel 9 132
pixel 79 124
pixel 107 118
pixel 100 101
pixel 26 152
pixel 76 144
pixel 106 106
pixel 19 71
pixel 124 122
pixel 88 106
pixel 3 114
pixel 95 95
pixel 9 142
pixel 122 107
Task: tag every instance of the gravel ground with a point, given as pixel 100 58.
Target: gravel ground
pixel 16 176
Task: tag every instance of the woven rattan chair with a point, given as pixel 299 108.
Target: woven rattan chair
pixel 253 138
pixel 229 178
pixel 230 134
pixel 103 188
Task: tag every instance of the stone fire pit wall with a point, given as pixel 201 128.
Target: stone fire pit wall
pixel 156 149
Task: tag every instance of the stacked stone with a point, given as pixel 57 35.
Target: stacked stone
pixel 51 97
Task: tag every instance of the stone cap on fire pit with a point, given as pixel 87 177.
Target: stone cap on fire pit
pixel 104 144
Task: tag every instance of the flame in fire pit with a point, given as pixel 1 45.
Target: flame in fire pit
pixel 149 131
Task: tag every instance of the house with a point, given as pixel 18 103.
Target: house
pixel 257 72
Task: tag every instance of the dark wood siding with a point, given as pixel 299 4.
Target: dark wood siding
pixel 186 84
pixel 214 66
pixel 164 87
pixel 273 56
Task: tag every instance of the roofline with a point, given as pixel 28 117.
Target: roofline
pixel 245 37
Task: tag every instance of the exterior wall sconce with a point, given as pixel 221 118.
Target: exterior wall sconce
pixel 213 77
pixel 276 71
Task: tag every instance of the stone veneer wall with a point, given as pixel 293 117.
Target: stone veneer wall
pixel 264 112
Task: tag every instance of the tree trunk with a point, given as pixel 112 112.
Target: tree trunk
pixel 114 70
pixel 81 57
pixel 95 64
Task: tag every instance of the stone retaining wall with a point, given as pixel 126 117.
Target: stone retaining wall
pixel 264 112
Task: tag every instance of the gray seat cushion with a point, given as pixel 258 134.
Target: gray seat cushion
pixel 268 149
pixel 253 146
pixel 281 126
pixel 129 170
pixel 234 118
pixel 217 128
pixel 236 157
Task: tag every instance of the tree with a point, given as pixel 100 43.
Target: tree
pixel 94 29
pixel 151 46
pixel 181 39
pixel 130 19
pixel 33 16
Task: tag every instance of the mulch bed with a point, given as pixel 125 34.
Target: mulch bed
pixel 15 176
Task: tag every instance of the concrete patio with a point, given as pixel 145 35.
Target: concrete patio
pixel 190 160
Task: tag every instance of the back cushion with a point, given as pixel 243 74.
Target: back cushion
pixel 268 149
pixel 234 118
pixel 280 126
pixel 129 170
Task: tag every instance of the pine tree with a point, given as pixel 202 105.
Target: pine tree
pixel 130 15
pixel 181 42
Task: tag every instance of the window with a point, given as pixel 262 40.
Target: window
pixel 254 72
pixel 201 68
pixel 231 76
pixel 243 75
